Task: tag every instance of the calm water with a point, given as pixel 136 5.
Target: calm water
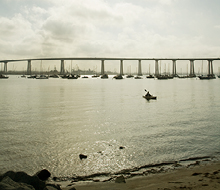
pixel 48 123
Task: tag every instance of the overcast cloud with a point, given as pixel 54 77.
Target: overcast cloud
pixel 109 28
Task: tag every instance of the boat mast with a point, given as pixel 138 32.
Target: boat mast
pixel 187 69
pixel 160 67
pixel 41 67
pixel 71 67
pixel 202 68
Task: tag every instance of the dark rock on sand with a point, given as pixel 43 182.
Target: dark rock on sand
pixel 43 174
pixel 21 181
pixel 82 156
pixel 23 178
pixel 72 188
pixel 120 179
pixel 8 184
pixel 52 187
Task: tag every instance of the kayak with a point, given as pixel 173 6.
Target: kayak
pixel 150 97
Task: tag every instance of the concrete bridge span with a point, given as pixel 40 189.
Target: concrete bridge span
pixel 121 59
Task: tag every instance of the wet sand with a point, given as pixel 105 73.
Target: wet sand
pixel 197 177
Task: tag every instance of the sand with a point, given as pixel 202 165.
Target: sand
pixel 198 177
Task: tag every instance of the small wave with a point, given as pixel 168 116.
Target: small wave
pixel 141 170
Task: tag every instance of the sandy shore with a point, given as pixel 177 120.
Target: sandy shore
pixel 201 177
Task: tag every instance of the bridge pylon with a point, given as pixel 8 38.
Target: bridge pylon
pixel 5 67
pixel 139 68
pixel 102 67
pixel 174 68
pixel 62 70
pixel 29 67
pixel 192 72
pixel 210 68
pixel 121 67
pixel 156 68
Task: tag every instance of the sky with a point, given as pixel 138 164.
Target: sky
pixel 109 28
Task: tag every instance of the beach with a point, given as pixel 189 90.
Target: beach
pixel 197 177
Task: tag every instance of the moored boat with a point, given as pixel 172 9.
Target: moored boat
pixel 3 76
pixel 73 77
pixel 138 77
pixel 42 77
pixel 104 76
pixel 118 77
pixel 54 76
pixel 210 76
pixel 129 76
pixel 85 77
pixel 183 77
pixel 95 76
pixel 150 76
pixel 32 77
pixel 162 77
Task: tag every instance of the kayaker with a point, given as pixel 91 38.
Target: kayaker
pixel 148 94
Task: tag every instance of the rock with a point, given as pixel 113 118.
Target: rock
pixel 195 174
pixel 68 188
pixel 52 187
pixel 49 188
pixel 136 173
pixel 43 174
pixel 82 156
pixel 120 179
pixel 8 184
pixel 22 177
pixel 22 181
pixel 72 188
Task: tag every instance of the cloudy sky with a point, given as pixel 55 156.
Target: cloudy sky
pixel 109 28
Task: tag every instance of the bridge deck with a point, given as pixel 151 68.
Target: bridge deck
pixel 106 58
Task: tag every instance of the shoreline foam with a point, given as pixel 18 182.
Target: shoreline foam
pixel 142 171
pixel 197 173
pixel 197 176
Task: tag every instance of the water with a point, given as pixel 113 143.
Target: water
pixel 48 123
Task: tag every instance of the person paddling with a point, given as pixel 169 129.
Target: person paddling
pixel 148 94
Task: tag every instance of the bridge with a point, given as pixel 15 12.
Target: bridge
pixel 174 60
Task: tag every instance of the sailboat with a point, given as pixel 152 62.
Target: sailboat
pixel 130 75
pixel 149 76
pixel 95 76
pixel 161 77
pixel 104 76
pixel 118 77
pixel 137 76
pixel 219 72
pixel 3 76
pixel 182 76
pixel 42 76
pixel 209 76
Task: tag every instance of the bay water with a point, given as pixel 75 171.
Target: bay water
pixel 48 123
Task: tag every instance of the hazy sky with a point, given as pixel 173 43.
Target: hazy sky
pixel 109 28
